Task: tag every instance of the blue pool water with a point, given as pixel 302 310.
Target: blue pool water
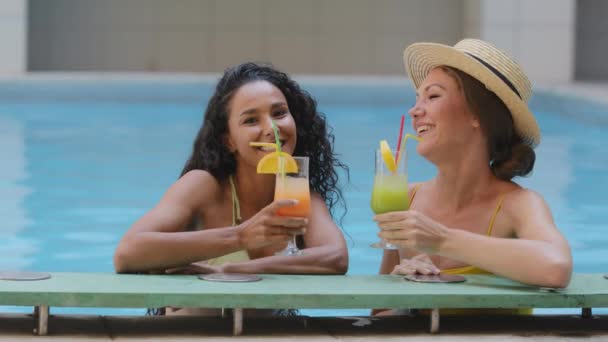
pixel 82 160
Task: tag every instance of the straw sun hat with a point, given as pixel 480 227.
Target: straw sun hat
pixel 492 67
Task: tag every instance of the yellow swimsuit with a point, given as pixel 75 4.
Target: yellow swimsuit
pixel 476 270
pixel 238 256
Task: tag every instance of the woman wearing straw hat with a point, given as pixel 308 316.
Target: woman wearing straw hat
pixel 472 115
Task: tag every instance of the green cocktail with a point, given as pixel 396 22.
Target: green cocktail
pixel 390 193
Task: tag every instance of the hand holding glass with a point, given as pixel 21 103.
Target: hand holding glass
pixel 293 186
pixel 390 192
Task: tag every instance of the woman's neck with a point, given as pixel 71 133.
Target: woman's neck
pixel 254 190
pixel 460 181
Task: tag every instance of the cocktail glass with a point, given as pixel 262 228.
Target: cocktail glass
pixel 293 186
pixel 390 192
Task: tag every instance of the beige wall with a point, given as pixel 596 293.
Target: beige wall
pixel 303 36
pixel 591 40
pixel 539 34
pixel 12 37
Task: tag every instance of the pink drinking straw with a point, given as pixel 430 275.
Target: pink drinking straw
pixel 400 135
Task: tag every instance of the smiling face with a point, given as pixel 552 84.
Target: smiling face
pixel 441 116
pixel 250 112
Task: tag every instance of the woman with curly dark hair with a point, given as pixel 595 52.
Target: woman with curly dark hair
pixel 219 216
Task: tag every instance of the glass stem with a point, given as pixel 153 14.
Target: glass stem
pixel 291 244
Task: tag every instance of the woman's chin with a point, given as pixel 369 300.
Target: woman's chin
pixel 423 149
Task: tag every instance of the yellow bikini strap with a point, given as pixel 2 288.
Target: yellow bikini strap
pixel 491 226
pixel 236 208
pixel 414 193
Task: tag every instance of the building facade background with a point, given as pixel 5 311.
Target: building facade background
pixel 554 40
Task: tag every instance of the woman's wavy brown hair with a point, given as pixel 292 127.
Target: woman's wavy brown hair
pixel 508 154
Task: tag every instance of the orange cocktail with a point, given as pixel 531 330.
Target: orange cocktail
pixel 292 183
pixel 293 188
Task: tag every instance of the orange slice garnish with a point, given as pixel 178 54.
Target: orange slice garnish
pixel 387 156
pixel 270 163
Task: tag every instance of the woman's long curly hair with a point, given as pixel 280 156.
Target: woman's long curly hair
pixel 314 137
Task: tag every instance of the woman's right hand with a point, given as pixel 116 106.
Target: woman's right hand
pixel 266 228
pixel 420 264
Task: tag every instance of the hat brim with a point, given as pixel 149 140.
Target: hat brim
pixel 421 58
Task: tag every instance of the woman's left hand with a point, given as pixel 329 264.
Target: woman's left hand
pixel 412 229
pixel 195 268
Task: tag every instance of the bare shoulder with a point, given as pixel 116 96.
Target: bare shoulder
pixel 200 177
pixel 519 197
pixel 319 208
pixel 197 186
pixel 322 229
pixel 317 201
pixel 523 204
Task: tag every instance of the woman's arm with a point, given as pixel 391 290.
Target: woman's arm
pixel 390 259
pixel 157 240
pixel 539 255
pixel 325 251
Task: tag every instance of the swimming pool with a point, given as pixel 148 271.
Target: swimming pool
pixel 83 159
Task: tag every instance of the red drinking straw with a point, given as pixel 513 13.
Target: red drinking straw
pixel 400 135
